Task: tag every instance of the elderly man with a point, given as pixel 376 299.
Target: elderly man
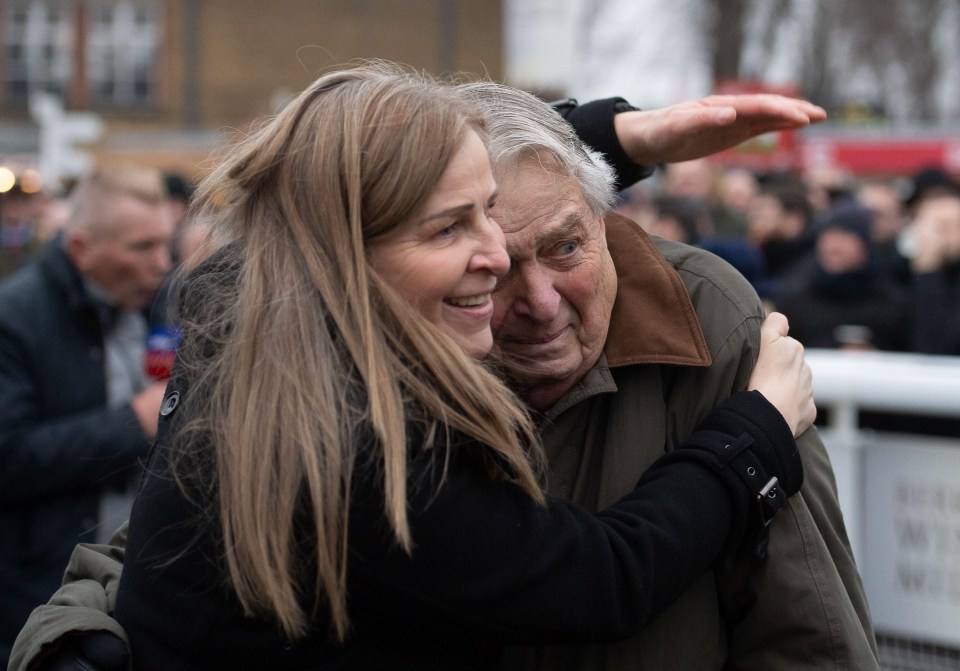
pixel 554 313
pixel 623 343
pixel 76 409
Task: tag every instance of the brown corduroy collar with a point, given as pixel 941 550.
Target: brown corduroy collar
pixel 653 320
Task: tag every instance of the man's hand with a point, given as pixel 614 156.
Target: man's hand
pixel 698 128
pixel 782 374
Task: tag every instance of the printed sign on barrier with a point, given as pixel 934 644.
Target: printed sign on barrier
pixel 912 560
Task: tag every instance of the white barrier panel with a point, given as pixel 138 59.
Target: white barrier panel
pixel 911 567
pixel 900 494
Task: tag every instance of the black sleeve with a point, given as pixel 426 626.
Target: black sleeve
pixel 935 323
pixel 489 564
pixel 47 456
pixel 593 123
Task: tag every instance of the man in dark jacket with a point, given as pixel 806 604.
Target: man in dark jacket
pixel 76 408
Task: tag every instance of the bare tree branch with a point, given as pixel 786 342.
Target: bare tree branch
pixel 727 37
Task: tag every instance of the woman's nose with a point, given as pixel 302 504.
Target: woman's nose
pixel 492 253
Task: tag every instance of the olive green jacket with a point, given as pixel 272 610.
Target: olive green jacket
pixel 685 334
pixel 83 604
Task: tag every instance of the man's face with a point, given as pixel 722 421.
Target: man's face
pixel 840 251
pixel 129 256
pixel 764 218
pixel 888 218
pixel 941 215
pixel 552 310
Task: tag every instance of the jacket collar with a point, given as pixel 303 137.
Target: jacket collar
pixel 61 272
pixel 653 319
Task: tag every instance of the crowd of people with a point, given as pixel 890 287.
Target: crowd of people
pixel 437 403
pixel 853 262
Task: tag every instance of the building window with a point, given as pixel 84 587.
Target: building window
pixel 38 45
pixel 121 50
pixel 96 54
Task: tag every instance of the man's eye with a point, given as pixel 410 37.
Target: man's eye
pixel 568 247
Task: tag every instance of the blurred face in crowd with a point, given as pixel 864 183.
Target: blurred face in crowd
pixel 738 189
pixel 127 253
pixel 938 219
pixel 840 251
pixel 764 218
pixel 689 179
pixel 447 260
pixel 669 228
pixel 552 310
pixel 768 219
pixel 884 203
pixel 823 181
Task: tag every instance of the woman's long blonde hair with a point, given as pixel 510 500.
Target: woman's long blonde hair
pixel 308 347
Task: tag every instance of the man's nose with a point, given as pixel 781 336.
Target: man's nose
pixel 535 296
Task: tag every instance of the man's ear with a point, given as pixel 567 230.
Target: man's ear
pixel 78 248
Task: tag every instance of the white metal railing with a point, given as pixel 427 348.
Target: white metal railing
pixel 908 383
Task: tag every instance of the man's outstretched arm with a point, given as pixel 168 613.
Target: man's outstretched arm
pixel 699 128
pixel 633 141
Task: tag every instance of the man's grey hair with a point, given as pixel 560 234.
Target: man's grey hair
pixel 522 127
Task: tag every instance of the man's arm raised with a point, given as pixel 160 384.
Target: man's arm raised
pixel 699 128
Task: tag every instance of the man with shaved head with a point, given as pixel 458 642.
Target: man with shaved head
pixel 76 409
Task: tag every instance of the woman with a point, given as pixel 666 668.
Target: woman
pixel 337 480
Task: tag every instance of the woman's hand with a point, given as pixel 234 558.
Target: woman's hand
pixel 782 374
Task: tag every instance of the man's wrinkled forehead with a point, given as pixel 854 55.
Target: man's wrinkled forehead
pixel 537 207
pixel 547 232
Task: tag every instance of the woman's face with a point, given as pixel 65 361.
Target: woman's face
pixel 447 259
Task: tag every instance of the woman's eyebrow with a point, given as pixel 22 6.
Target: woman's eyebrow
pixel 449 212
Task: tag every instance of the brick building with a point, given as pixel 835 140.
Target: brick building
pixel 170 77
